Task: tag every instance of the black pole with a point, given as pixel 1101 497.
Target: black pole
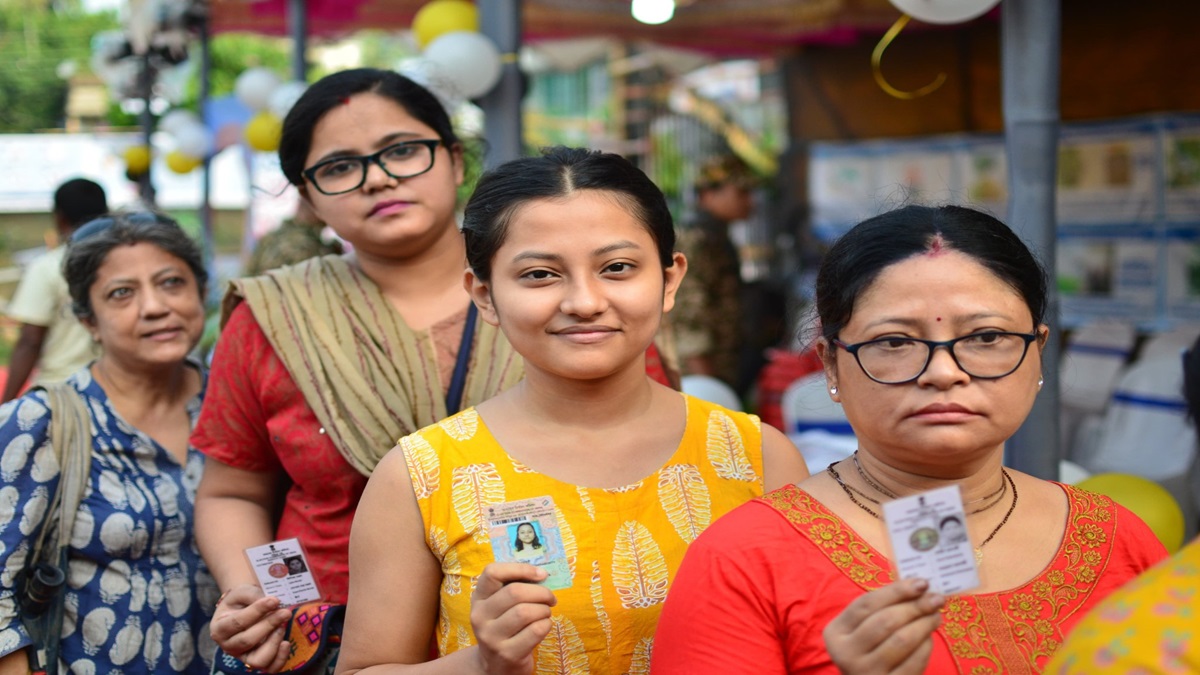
pixel 146 89
pixel 298 26
pixel 500 20
pixel 206 214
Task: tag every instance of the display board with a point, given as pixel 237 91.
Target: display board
pixel 1128 206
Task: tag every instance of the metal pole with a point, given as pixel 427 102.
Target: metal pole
pixel 206 214
pixel 1030 38
pixel 146 89
pixel 298 26
pixel 500 20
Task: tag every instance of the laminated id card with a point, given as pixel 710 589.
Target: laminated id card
pixel 527 531
pixel 928 533
pixel 283 572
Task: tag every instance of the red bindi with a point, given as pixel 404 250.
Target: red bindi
pixel 937 246
pixel 345 100
pixel 939 318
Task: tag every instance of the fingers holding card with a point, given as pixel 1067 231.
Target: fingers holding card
pixel 929 540
pixel 527 531
pixel 283 572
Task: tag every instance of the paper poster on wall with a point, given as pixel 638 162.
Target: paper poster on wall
pixel 1182 255
pixel 1107 175
pixel 1111 276
pixel 983 168
pixel 842 185
pixel 1181 170
pixel 913 173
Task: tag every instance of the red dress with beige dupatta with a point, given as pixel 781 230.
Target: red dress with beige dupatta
pixel 757 589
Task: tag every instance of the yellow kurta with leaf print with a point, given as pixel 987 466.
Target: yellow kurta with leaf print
pixel 623 544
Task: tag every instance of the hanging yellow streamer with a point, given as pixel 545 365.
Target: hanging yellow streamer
pixel 877 56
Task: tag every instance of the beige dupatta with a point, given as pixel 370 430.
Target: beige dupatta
pixel 369 378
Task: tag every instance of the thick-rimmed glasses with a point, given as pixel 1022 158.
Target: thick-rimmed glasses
pixel 899 360
pixel 345 174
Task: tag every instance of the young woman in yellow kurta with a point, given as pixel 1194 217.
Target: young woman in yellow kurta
pixel 572 255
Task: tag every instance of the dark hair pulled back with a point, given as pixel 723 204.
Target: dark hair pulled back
pixel 858 257
pixel 558 173
pixel 334 90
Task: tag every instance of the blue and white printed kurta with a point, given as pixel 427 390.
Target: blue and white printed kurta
pixel 139 597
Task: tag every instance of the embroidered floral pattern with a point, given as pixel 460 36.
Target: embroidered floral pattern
pixel 972 624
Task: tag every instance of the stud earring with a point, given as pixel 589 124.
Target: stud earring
pixel 1041 381
pixel 833 391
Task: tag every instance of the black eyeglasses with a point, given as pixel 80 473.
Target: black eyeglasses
pixel 899 360
pixel 345 174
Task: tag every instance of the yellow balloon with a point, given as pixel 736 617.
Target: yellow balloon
pixel 444 16
pixel 1148 500
pixel 263 132
pixel 180 162
pixel 137 159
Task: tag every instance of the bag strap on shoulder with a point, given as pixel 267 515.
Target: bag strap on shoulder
pixel 71 437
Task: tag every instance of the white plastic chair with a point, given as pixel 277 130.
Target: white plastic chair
pixel 710 389
pixel 816 424
pixel 1092 361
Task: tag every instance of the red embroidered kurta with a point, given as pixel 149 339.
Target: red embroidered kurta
pixel 757 589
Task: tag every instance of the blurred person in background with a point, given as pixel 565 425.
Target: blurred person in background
pixel 708 317
pixel 51 339
pixel 297 239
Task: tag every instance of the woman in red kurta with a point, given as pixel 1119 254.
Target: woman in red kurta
pixel 928 316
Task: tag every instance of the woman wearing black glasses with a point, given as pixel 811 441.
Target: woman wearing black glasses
pixel 932 325
pixel 322 366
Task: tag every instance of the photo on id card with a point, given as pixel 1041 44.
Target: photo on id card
pixel 928 534
pixel 527 531
pixel 283 572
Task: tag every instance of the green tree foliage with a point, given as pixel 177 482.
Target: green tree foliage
pixel 35 38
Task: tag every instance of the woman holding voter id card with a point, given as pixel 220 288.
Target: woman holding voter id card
pixel 932 326
pixel 572 255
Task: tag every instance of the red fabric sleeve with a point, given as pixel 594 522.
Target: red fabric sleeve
pixel 721 614
pixel 233 427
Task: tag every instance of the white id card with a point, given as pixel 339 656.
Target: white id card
pixel 527 531
pixel 929 540
pixel 283 572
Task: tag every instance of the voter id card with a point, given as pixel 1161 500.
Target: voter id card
pixel 928 533
pixel 528 531
pixel 283 572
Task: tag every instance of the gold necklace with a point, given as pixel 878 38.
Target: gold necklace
pixel 995 497
pixel 850 491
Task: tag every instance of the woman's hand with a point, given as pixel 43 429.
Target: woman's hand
pixel 251 627
pixel 886 631
pixel 510 614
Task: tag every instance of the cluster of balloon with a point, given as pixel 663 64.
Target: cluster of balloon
pixel 457 62
pixel 263 92
pixel 259 89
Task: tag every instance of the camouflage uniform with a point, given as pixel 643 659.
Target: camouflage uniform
pixel 707 318
pixel 289 244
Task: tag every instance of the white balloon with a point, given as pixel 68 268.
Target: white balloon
pixel 255 86
pixel 176 119
pixel 193 140
pixel 429 75
pixel 468 59
pixel 285 96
